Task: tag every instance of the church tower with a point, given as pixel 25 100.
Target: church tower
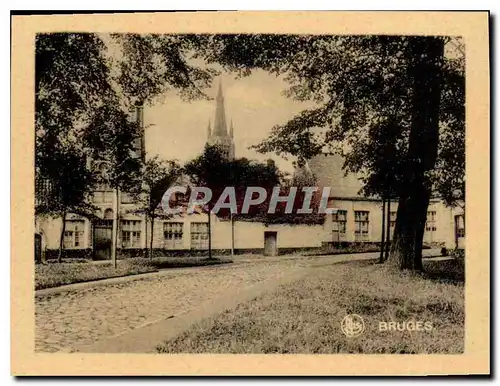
pixel 219 135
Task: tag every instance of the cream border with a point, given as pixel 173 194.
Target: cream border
pixel 473 26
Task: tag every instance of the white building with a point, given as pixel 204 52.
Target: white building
pixel 359 219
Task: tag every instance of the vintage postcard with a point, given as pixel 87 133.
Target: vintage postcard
pixel 251 193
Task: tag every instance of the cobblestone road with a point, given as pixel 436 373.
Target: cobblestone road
pixel 67 319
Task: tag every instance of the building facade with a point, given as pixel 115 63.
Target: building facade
pixel 182 234
pixel 359 219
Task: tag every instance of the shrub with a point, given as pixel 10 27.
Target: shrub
pixel 458 254
pixel 72 271
pixel 54 274
pixel 183 262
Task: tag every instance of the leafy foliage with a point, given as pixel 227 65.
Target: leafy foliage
pixel 111 138
pixel 157 176
pixel 153 64
pixel 70 76
pixel 64 187
pixel 213 170
pixel 363 98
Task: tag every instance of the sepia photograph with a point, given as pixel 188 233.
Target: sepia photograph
pixel 251 192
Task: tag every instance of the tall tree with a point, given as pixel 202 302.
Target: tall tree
pixel 425 71
pixel 71 76
pixel 157 176
pixel 208 170
pixel 63 187
pixel 212 170
pixel 112 137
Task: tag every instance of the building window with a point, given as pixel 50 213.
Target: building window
pixel 430 224
pixel 172 232
pixel 131 233
pixel 339 222
pixel 103 194
pixel 74 234
pixel 199 235
pixel 362 225
pixel 126 198
pixel 460 226
pixel 392 219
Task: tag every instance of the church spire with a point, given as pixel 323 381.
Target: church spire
pixel 220 126
pixel 219 135
pixel 219 92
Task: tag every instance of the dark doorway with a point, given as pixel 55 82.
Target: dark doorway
pixel 38 248
pixel 459 232
pixel 103 230
pixel 270 243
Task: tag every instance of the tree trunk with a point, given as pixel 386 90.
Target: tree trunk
pixel 232 235
pixel 146 236
pixel 209 234
pixel 382 242
pixel 114 241
pixel 425 72
pixel 406 250
pixel 151 238
pixel 388 242
pixel 463 216
pixel 61 239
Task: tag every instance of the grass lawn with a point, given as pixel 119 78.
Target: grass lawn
pixel 305 316
pixel 56 274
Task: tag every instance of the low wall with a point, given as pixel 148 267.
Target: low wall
pixel 158 252
pixel 86 254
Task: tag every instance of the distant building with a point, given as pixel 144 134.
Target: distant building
pixel 220 136
pixel 359 219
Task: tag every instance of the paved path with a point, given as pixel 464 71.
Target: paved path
pixel 72 318
pixel 146 339
pixel 89 316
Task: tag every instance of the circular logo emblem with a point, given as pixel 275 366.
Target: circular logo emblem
pixel 352 325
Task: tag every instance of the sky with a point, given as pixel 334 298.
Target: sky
pixel 178 130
